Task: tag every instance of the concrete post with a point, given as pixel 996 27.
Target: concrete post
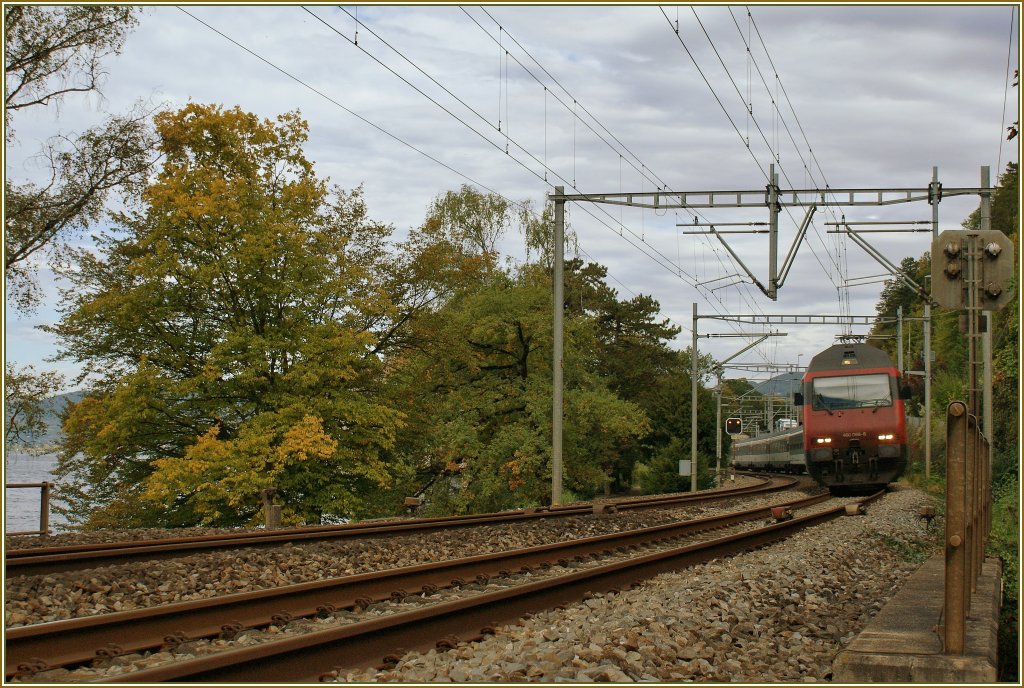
pixel 773 233
pixel 718 433
pixel 693 404
pixel 556 365
pixel 927 390
pixel 986 336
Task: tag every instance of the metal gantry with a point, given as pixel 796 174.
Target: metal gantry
pixel 774 199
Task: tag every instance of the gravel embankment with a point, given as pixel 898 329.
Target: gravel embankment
pixel 81 537
pixel 36 599
pixel 779 614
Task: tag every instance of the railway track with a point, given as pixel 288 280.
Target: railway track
pixel 305 657
pixel 46 560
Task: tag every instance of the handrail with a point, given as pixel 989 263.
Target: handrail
pixel 968 519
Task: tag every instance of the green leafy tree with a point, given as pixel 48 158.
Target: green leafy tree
pixel 229 327
pixel 51 52
pixel 491 407
pixel 477 387
pixel 669 408
pixel 25 405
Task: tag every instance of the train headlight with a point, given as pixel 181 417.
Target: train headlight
pixel 824 440
pixel 887 437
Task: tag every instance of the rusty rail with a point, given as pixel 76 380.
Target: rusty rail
pixel 968 519
pixel 46 560
pixel 77 641
pixel 44 507
pixel 307 657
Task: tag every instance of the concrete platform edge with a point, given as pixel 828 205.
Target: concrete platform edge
pixel 901 645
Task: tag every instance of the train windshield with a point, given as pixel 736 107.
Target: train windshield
pixel 851 391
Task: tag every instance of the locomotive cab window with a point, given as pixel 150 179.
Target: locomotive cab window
pixel 851 391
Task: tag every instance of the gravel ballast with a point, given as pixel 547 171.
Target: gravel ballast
pixel 779 614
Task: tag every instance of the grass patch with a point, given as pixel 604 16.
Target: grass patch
pixel 1003 543
pixel 909 549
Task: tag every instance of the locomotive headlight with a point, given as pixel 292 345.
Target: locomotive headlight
pixel 888 436
pixel 824 440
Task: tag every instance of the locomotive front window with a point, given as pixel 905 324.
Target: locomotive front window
pixel 851 391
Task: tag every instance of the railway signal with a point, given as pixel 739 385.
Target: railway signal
pixel 733 426
pixel 972 259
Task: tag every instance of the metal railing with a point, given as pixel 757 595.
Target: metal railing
pixel 968 519
pixel 44 507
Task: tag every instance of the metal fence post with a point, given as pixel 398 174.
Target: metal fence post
pixel 44 508
pixel 970 506
pixel 955 611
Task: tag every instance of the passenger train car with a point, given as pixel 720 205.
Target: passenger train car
pixel 854 434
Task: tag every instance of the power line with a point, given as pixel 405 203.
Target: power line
pixel 380 128
pixel 643 168
pixel 676 271
pixel 841 242
pixel 668 265
pixel 1006 90
pixel 773 150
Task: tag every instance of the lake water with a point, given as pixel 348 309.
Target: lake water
pixel 21 505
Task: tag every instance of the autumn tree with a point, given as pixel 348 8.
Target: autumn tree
pixel 228 324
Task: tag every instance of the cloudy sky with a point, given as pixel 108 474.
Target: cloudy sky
pixel 605 99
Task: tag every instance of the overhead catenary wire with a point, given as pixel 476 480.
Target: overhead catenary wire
pixel 643 170
pixel 841 241
pixel 509 139
pixel 772 148
pixel 1006 91
pixel 657 181
pixel 810 150
pixel 675 270
pixel 387 133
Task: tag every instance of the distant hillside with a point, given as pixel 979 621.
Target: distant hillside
pixel 783 385
pixel 53 407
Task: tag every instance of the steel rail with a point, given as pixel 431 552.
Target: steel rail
pixel 80 640
pixel 363 526
pixel 307 657
pixel 42 561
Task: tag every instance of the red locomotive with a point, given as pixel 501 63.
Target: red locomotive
pixel 854 424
